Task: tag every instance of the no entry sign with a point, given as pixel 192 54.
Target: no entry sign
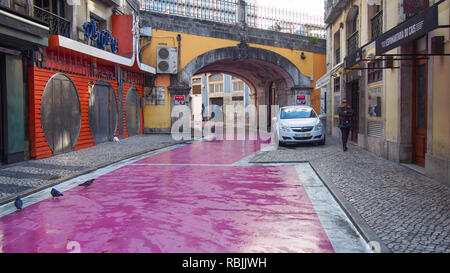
pixel 301 99
pixel 180 100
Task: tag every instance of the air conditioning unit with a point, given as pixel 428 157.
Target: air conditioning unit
pixel 167 60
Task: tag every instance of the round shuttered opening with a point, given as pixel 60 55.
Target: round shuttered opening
pixel 61 114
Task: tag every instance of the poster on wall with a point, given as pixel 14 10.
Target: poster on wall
pixel 301 99
pixel 180 100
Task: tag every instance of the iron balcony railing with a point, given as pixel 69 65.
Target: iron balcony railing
pixel 57 25
pixel 284 20
pixel 353 43
pixel 227 11
pixel 224 11
pixel 377 25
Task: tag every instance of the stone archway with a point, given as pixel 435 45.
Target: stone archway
pixel 258 67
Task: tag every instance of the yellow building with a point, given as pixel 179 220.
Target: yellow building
pixel 388 58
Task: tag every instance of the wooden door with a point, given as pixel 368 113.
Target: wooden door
pixel 420 116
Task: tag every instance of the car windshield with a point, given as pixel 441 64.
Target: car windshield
pixel 294 113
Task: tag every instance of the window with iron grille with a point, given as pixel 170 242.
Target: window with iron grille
pixel 338 56
pixel 377 25
pixel 374 72
pixel 337 84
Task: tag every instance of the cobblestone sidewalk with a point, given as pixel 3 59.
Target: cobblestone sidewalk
pixel 26 177
pixel 407 211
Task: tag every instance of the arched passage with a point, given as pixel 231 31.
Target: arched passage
pixel 258 67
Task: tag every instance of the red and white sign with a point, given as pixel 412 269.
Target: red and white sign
pixel 179 100
pixel 301 100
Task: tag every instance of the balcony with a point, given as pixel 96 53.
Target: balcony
pixel 377 25
pixel 353 43
pixel 57 25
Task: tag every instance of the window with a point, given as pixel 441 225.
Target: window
pixel 337 47
pixel 337 84
pixel 352 30
pixel 99 22
pixel 53 6
pixel 374 98
pixel 374 73
pixel 216 88
pixel 197 80
pixel 411 8
pixel 376 20
pixel 238 86
pixel 196 89
pixel 216 78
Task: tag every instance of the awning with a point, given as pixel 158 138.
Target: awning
pixel 324 80
pixel 337 68
pixel 56 41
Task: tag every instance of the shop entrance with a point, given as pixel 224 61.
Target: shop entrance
pixel 419 117
pixel 2 95
pixel 103 114
pixel 133 112
pixel 353 100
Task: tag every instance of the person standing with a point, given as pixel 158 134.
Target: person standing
pixel 345 122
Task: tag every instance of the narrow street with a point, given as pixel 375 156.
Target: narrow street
pixel 199 197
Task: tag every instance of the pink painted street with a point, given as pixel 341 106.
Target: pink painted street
pixel 195 198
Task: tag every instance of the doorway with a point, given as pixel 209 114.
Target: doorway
pixel 133 112
pixel 353 99
pixel 420 105
pixel 2 96
pixel 103 115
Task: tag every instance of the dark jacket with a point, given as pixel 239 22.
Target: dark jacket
pixel 345 117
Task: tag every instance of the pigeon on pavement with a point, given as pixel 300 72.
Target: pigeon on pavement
pixel 55 193
pixel 18 203
pixel 87 183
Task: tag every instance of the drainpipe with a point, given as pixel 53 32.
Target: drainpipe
pixel 179 52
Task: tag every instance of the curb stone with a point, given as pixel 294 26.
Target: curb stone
pixel 361 225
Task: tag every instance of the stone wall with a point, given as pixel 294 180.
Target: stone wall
pixel 232 32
